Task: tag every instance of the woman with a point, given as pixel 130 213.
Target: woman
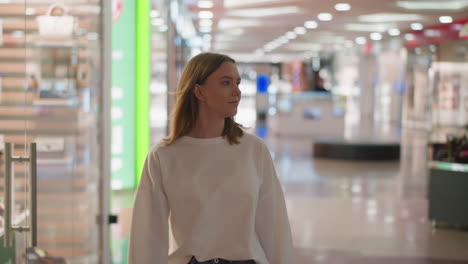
pixel 216 184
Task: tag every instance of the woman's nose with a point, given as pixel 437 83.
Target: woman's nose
pixel 237 91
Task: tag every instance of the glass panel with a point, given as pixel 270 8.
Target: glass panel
pixel 14 28
pixel 62 87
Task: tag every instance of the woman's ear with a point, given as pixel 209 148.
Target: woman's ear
pixel 199 92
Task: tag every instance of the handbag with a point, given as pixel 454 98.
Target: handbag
pixel 56 22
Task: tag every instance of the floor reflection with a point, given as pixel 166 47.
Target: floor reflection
pixel 346 211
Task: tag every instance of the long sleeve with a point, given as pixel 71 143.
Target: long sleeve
pixel 149 237
pixel 271 220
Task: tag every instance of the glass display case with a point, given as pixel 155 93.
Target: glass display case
pixel 50 116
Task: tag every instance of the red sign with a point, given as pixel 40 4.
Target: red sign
pixel 436 34
pixel 117 7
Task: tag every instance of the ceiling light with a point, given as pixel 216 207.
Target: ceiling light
pixel 240 3
pixel 394 32
pixel 445 19
pixel 291 35
pixel 300 30
pixel 205 4
pixel 154 13
pixel 369 27
pixel 325 16
pixel 264 12
pixel 343 7
pixel 433 5
pixel 417 26
pixel 205 22
pixel 389 17
pixel 205 29
pixel 227 23
pixel 157 21
pixel 304 47
pixel 283 40
pixel 376 36
pixel 361 40
pixel 205 14
pixel 310 24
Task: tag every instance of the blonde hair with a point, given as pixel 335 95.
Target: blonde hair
pixel 198 69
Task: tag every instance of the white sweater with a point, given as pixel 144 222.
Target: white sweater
pixel 223 201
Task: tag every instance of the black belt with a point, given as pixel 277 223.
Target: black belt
pixel 221 261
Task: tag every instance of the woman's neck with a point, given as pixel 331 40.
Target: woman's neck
pixel 207 128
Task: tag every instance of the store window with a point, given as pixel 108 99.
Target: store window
pixel 50 94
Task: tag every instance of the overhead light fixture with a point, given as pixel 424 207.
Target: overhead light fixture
pixel 325 16
pixel 445 19
pixel 205 4
pixel 310 24
pixel 264 12
pixel 228 23
pixel 157 21
pixel 417 26
pixel 205 22
pixel 369 27
pixel 433 5
pixel 343 7
pixel 394 32
pixel 290 35
pixel 361 40
pixel 283 40
pixel 154 13
pixel 243 3
pixel 389 17
pixel 205 14
pixel 205 29
pixel 300 30
pixel 376 36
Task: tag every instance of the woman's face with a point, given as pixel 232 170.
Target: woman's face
pixel 220 92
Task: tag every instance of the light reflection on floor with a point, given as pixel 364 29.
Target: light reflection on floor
pixel 349 212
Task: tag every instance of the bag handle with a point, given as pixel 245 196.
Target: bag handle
pixel 59 6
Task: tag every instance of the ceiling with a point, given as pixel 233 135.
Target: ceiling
pixel 246 27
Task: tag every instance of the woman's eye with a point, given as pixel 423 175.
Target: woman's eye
pixel 226 83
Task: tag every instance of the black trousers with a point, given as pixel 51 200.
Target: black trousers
pixel 221 261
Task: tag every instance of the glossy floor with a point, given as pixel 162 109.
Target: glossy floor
pixel 348 211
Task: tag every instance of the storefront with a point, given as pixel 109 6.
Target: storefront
pixel 54 137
